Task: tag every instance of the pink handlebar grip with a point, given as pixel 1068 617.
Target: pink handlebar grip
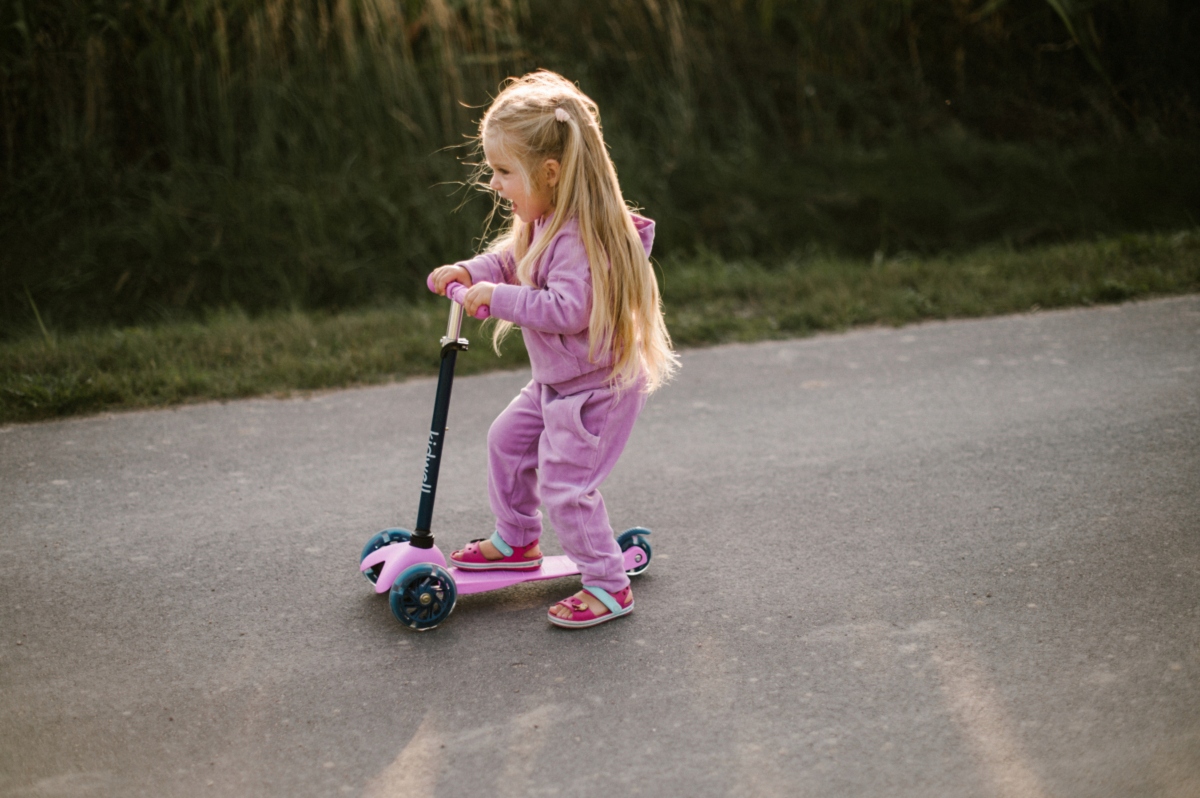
pixel 456 291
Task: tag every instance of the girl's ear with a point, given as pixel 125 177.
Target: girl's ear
pixel 550 172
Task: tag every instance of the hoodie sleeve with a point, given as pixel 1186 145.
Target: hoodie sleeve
pixel 492 267
pixel 563 305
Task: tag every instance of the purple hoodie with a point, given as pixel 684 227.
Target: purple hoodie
pixel 554 315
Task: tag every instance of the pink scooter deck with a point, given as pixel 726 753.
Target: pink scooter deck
pixel 469 582
pixel 398 556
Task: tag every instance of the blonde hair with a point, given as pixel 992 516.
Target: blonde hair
pixel 543 116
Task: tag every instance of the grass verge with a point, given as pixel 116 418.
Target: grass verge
pixel 708 301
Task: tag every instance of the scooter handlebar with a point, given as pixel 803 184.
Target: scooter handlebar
pixel 456 291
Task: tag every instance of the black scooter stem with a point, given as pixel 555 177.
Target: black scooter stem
pixel 422 537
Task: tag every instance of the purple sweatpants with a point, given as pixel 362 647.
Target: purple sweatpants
pixel 554 449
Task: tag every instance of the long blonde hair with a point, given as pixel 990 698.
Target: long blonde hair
pixel 544 116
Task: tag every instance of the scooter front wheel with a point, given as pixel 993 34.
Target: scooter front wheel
pixel 423 596
pixel 385 538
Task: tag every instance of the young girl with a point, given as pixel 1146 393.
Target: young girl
pixel 572 269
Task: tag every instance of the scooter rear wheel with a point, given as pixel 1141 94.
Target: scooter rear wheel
pixel 423 596
pixel 636 537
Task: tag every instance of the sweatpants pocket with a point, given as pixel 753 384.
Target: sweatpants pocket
pixel 588 411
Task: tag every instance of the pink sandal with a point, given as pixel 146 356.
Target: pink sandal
pixel 471 558
pixel 618 604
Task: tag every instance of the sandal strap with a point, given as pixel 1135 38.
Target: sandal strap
pixel 572 604
pixel 504 549
pixel 605 598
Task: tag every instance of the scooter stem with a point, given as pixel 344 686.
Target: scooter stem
pixel 452 342
pixel 454 325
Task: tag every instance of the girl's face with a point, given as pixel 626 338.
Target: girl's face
pixel 529 204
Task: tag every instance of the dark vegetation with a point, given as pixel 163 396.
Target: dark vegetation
pixel 161 160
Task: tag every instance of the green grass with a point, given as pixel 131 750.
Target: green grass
pixel 228 356
pixel 708 301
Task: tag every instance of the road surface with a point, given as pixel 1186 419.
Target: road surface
pixel 954 559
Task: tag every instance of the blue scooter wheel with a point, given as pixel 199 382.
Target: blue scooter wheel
pixel 423 596
pixel 385 538
pixel 636 537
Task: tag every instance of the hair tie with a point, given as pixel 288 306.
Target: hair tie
pixel 561 115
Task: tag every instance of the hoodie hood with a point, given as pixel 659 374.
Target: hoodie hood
pixel 645 231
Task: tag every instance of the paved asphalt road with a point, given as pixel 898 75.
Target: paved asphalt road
pixel 955 559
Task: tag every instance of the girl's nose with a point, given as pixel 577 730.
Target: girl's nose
pixel 494 183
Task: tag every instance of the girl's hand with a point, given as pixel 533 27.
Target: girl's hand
pixel 442 276
pixel 479 294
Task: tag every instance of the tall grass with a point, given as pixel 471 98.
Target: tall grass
pixel 216 153
pixel 163 158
